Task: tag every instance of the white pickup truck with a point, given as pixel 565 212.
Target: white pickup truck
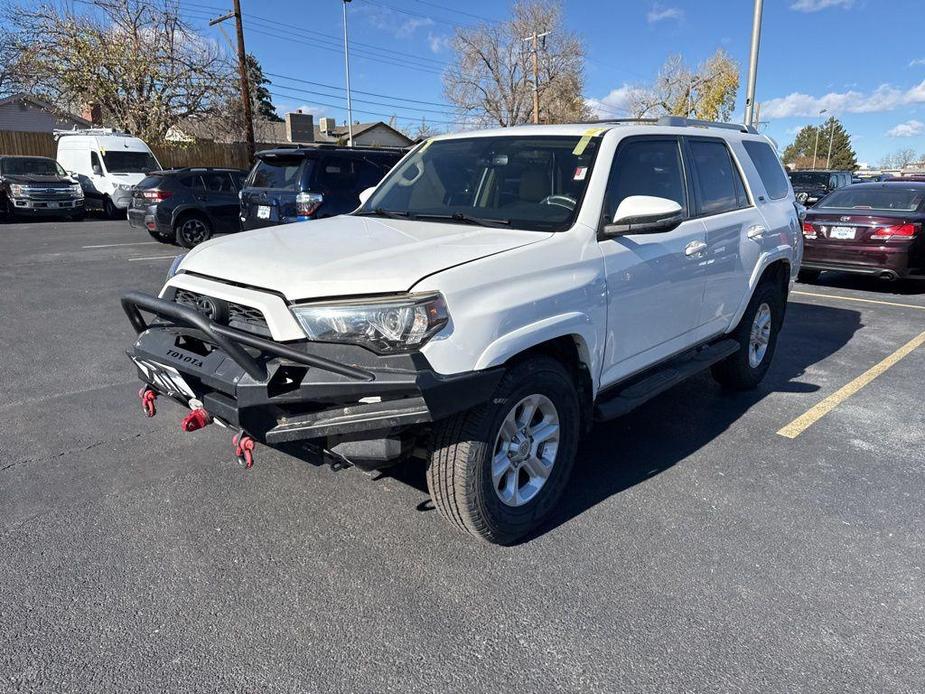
pixel 494 296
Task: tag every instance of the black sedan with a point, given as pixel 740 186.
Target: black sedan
pixel 187 206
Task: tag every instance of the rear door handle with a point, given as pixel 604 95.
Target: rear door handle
pixel 695 248
pixel 756 231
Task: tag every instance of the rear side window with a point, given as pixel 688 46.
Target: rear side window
pixel 218 182
pixel 347 174
pixel 718 180
pixel 150 182
pixel 277 172
pixel 645 167
pixel 769 168
pixel 194 182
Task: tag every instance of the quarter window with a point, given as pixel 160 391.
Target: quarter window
pixel 645 167
pixel 769 168
pixel 718 180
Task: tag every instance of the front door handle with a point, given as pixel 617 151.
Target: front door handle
pixel 756 231
pixel 695 248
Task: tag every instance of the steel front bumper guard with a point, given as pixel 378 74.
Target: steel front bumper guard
pixel 358 401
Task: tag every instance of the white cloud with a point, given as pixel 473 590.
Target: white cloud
pixel 910 128
pixel 439 42
pixel 660 14
pixel 917 61
pixel 816 5
pixel 387 20
pixel 615 105
pixel 886 97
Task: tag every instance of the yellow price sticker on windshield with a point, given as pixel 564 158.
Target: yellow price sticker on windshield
pixel 427 144
pixel 585 139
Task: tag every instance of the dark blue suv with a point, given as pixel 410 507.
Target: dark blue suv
pixel 295 184
pixel 187 206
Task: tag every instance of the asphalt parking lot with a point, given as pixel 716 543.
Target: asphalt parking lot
pixel 698 549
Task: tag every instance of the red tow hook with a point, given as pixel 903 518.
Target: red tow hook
pixel 196 419
pixel 148 395
pixel 244 449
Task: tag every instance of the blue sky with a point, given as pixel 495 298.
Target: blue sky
pixel 860 59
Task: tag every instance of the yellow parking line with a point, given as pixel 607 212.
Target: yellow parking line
pixel 865 301
pixel 814 414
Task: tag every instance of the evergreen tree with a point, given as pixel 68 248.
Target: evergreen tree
pixel 260 95
pixel 799 153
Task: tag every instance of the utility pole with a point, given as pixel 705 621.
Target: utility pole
pixel 536 73
pixel 818 128
pixel 753 63
pixel 347 73
pixel 831 138
pixel 242 71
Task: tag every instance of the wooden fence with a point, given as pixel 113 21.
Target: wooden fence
pixel 170 155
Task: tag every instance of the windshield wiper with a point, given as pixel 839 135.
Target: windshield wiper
pixel 381 212
pixel 468 219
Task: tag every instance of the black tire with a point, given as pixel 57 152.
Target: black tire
pixel 191 230
pixel 809 275
pixel 739 371
pixel 110 211
pixel 163 238
pixel 463 447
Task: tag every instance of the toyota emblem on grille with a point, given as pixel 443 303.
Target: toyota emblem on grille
pixel 213 309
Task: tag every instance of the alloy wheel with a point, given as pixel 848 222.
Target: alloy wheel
pixel 760 336
pixel 525 450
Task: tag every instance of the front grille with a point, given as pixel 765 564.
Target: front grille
pixel 49 193
pixel 228 313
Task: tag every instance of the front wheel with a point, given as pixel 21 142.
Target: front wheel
pixel 109 208
pixel 496 471
pixel 757 337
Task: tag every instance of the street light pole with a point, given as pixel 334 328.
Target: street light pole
pixel 818 128
pixel 347 74
pixel 753 63
pixel 831 138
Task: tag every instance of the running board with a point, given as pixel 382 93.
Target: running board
pixel 627 398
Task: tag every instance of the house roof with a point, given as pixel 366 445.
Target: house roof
pixel 23 97
pixel 270 132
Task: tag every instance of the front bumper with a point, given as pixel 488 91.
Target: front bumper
pixel 55 206
pixel 280 392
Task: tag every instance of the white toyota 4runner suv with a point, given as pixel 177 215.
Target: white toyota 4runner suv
pixel 494 296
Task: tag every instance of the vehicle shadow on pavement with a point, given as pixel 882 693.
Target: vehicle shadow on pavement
pixel 622 453
pixel 874 285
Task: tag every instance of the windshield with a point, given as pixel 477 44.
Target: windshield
pixel 38 166
pixel 284 173
pixel 886 198
pixel 809 178
pixel 130 162
pixel 533 183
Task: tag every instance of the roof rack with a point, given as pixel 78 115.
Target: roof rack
pixel 90 131
pixel 681 122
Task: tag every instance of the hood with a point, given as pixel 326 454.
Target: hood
pixel 37 178
pixel 348 255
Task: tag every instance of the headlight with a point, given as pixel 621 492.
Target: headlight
pixel 77 190
pixel 383 325
pixel 175 265
pixel 123 186
pixel 17 190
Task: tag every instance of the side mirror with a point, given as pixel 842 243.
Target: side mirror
pixel 97 171
pixel 365 194
pixel 645 214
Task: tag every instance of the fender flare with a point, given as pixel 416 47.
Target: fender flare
pixel 784 253
pixel 575 324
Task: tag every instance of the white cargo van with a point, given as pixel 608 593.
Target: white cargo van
pixel 107 163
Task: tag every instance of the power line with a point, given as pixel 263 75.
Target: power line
pixel 331 86
pixel 371 113
pixel 365 101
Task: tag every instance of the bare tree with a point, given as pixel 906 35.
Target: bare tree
pixel 709 92
pixel 136 60
pixel 491 79
pixel 901 158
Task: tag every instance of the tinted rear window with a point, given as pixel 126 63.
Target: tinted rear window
pixel 150 182
pixel 769 168
pixel 886 198
pixel 720 186
pixel 278 173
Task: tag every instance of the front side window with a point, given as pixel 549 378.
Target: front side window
pixel 129 162
pixel 534 183
pixel 769 168
pixel 645 167
pixel 718 180
pixel 36 166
